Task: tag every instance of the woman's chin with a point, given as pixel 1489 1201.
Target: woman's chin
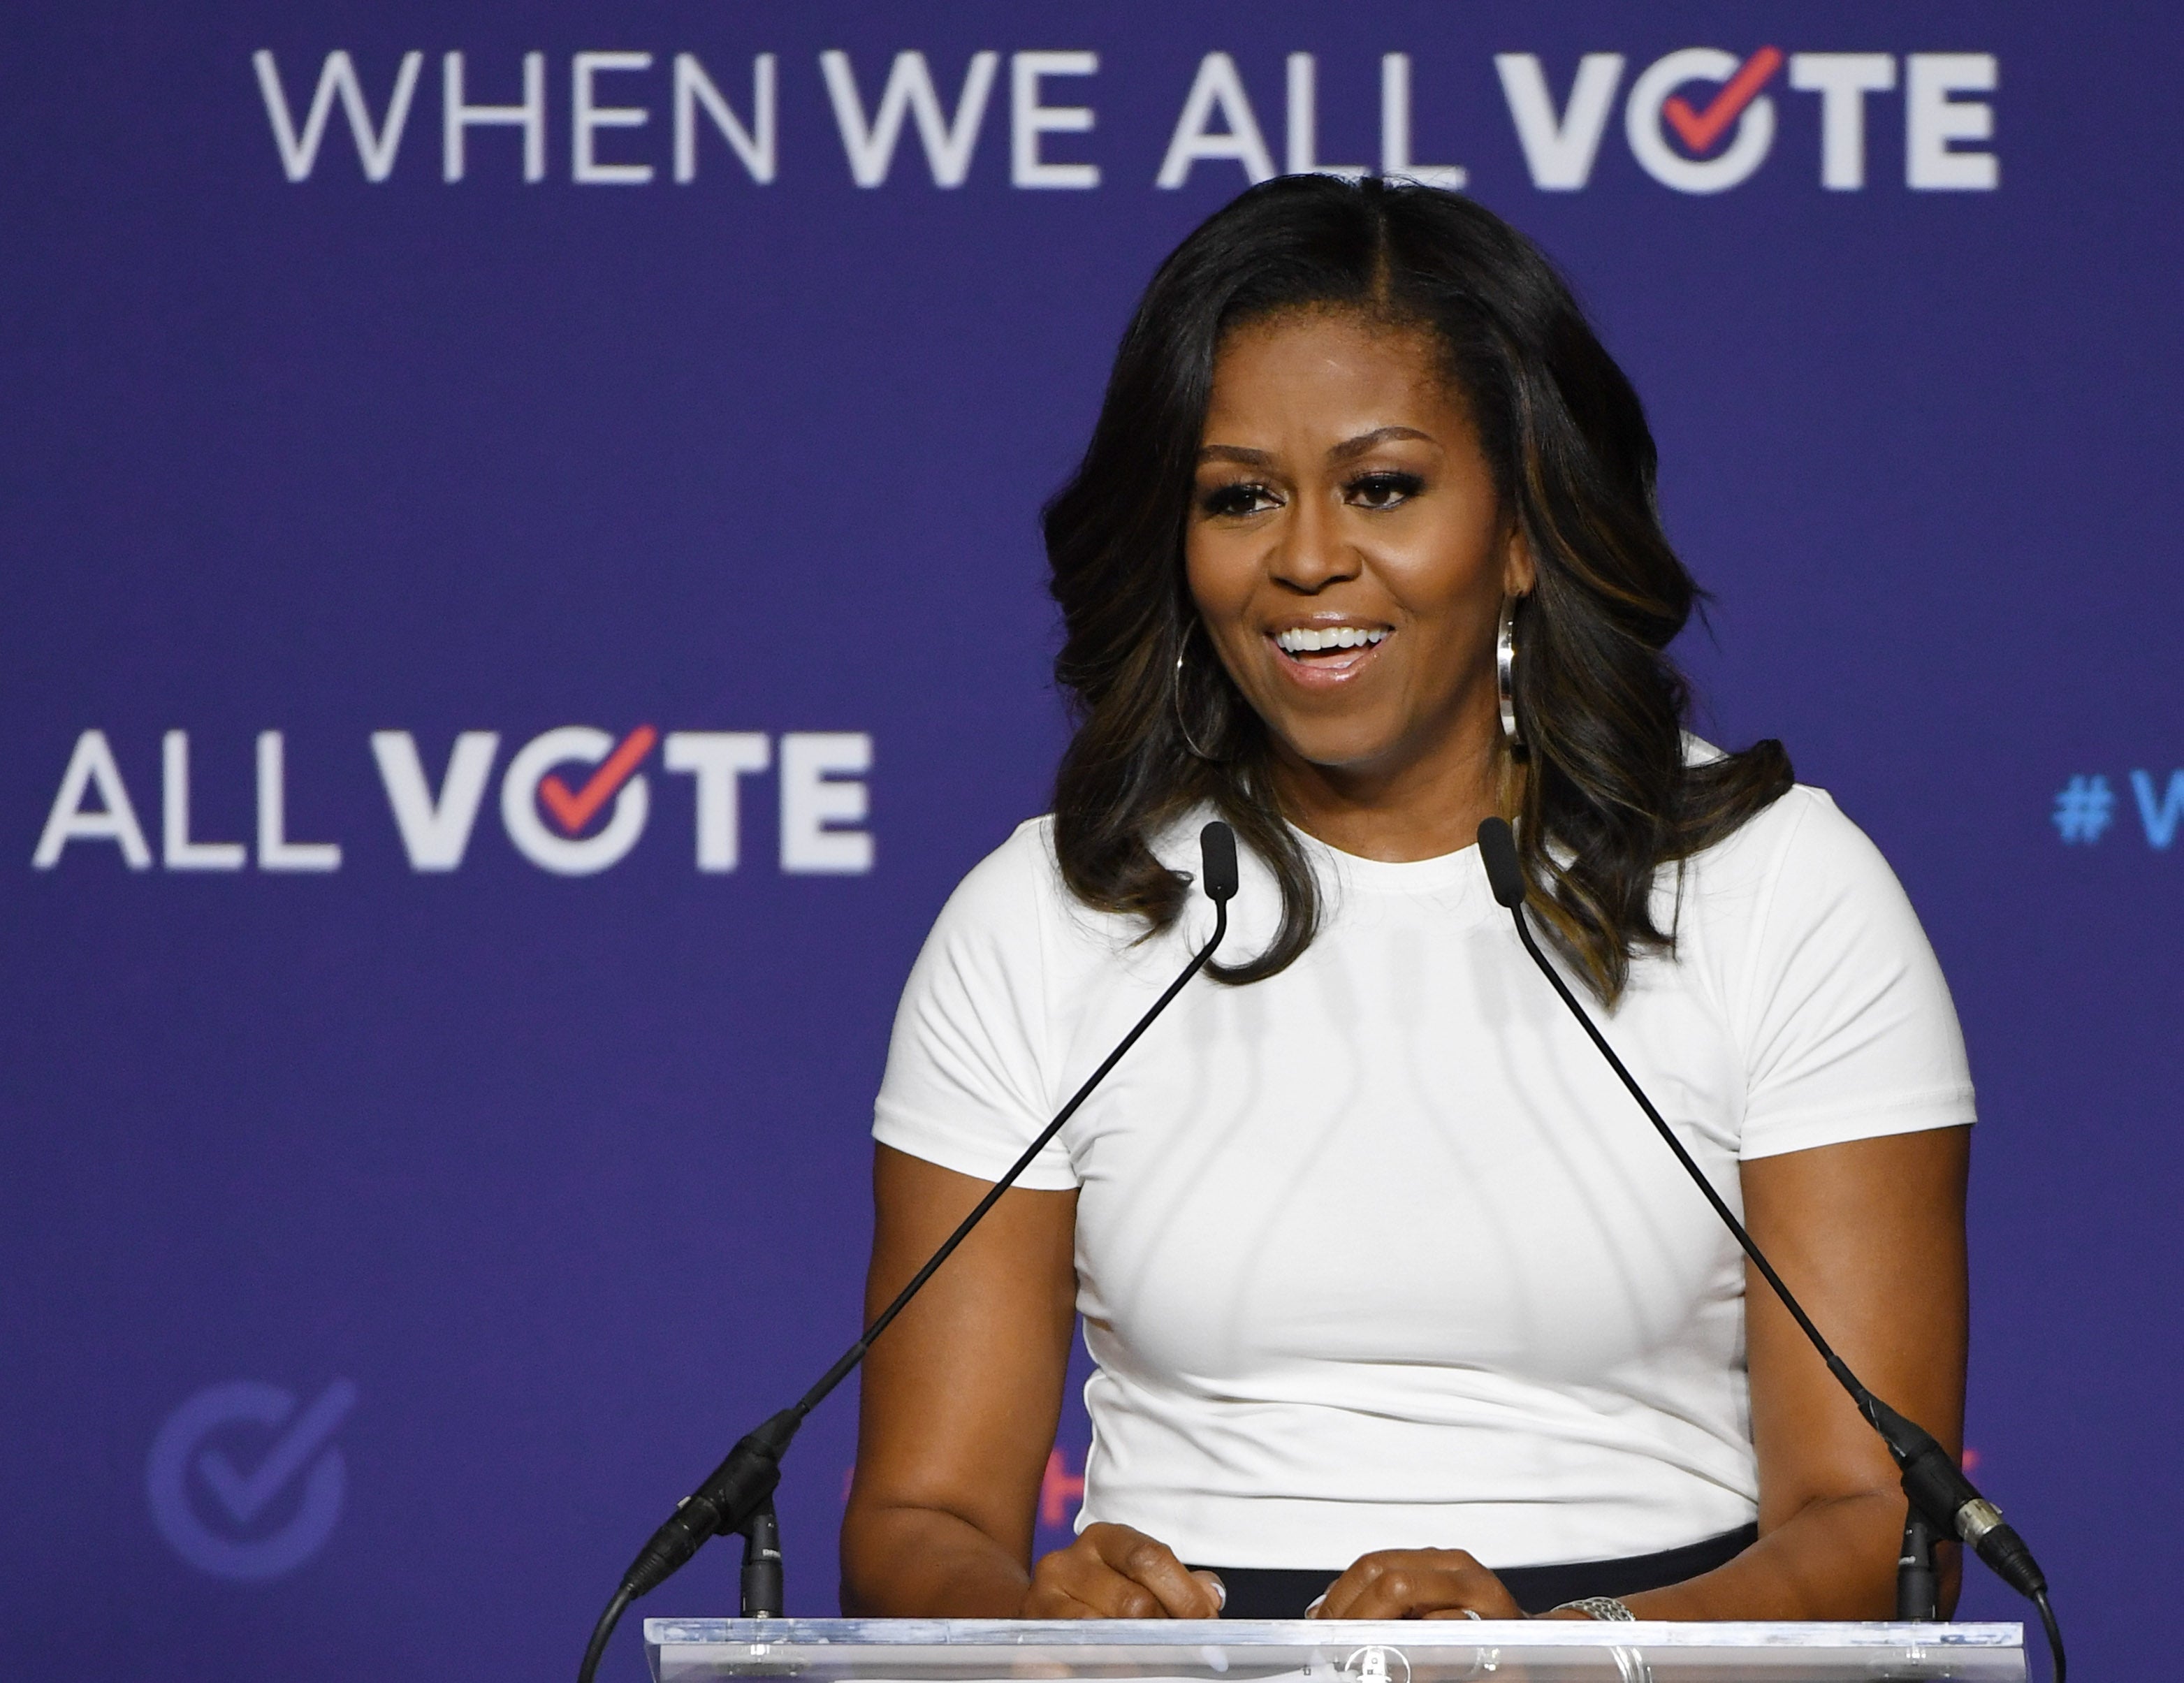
pixel 1358 748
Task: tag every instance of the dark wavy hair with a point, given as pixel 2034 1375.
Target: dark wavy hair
pixel 1602 795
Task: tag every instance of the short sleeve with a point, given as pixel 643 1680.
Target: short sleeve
pixel 1850 1033
pixel 965 1086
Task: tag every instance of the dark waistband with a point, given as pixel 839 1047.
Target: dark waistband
pixel 1280 1592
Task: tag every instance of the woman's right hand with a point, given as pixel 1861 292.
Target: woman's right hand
pixel 1113 1572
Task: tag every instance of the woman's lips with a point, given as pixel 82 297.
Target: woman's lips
pixel 1329 669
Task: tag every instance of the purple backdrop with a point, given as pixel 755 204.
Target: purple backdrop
pixel 387 1246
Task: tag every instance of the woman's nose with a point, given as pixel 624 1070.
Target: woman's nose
pixel 1310 554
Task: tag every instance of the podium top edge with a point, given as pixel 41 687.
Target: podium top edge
pixel 1298 1634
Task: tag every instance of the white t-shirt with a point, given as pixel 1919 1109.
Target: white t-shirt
pixel 1378 1253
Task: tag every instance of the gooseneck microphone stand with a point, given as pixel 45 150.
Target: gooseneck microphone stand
pixel 738 1497
pixel 1943 1502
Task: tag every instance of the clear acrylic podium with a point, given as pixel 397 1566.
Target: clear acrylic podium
pixel 1301 1651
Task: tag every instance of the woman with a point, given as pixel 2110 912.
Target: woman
pixel 1398 1306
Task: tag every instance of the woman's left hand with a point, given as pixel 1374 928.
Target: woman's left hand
pixel 1416 1583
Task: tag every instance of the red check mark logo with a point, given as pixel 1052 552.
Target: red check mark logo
pixel 572 812
pixel 1701 129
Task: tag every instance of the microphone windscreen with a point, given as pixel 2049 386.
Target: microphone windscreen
pixel 1497 846
pixel 1216 855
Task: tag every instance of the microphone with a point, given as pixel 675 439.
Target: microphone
pixel 737 1495
pixel 1936 1486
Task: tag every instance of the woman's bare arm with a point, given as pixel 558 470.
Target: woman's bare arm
pixel 960 1398
pixel 1870 1235
pixel 959 1406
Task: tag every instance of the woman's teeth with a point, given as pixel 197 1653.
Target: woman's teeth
pixel 1307 640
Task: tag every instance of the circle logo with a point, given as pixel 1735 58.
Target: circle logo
pixel 1370 1665
pixel 528 777
pixel 1747 149
pixel 216 1520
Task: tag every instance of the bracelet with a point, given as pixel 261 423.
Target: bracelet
pixel 1600 1607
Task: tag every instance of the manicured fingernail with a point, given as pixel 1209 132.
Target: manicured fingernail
pixel 1220 1593
pixel 1312 1612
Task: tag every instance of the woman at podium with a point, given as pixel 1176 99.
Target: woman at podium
pixel 1399 1306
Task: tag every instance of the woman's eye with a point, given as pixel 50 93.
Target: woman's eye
pixel 1384 490
pixel 1248 497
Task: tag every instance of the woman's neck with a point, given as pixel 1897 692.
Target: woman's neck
pixel 1420 807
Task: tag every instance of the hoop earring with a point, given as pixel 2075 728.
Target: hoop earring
pixel 1175 696
pixel 1505 673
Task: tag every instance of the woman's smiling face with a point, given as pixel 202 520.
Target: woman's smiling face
pixel 1346 549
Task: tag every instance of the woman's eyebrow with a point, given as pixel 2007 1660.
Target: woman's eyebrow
pixel 1364 442
pixel 1345 451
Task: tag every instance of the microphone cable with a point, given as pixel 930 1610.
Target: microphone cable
pixel 1933 1482
pixel 741 1484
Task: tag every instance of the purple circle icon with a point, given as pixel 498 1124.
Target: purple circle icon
pixel 213 1490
